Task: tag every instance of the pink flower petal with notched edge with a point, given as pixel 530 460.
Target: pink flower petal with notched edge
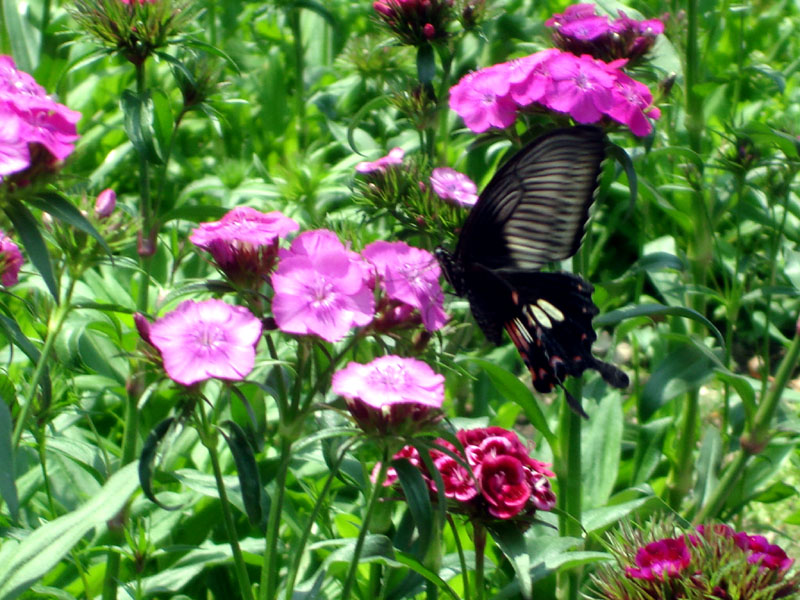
pixel 449 184
pixel 481 99
pixel 201 340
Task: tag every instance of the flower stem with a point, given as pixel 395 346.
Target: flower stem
pixel 461 559
pixel 269 562
pixel 300 546
pixel 375 495
pixel 479 539
pixel 210 442
pixel 758 437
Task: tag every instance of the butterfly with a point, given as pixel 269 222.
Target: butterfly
pixel 531 213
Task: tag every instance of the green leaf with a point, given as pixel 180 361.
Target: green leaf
pixel 708 462
pixel 148 458
pixel 27 228
pixel 61 208
pixel 318 8
pixel 28 561
pixel 24 47
pixel 649 442
pixel 8 488
pixel 19 339
pixel 622 157
pixel 418 498
pixel 138 112
pixel 614 317
pixel 513 389
pixel 426 64
pixel 511 541
pixel 602 451
pixel 247 470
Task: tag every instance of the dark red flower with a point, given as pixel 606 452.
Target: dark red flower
pixel 504 485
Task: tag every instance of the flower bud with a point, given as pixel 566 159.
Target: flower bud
pixel 105 204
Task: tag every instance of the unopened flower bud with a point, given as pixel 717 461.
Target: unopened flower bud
pixel 428 31
pixel 142 326
pixel 105 204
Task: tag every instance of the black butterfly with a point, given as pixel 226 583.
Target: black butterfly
pixel 532 213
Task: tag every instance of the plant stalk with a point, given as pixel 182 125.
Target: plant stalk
pixel 269 563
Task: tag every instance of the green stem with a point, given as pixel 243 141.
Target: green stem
pixel 54 327
pixel 210 442
pixel 479 539
pixel 144 205
pixel 299 66
pixel 269 563
pixel 756 440
pixel 300 547
pixel 375 495
pixel 461 558
pixel 570 485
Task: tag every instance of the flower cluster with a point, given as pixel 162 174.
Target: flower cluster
pixel 36 132
pixel 244 243
pixel 10 261
pixel 201 340
pixel 711 562
pixel 495 477
pixel 583 87
pixel 581 31
pixel 324 289
pixel 391 394
pixel 451 185
pixel 415 22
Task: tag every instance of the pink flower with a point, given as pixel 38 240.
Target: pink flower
pixel 10 261
pixel 201 340
pixel 105 203
pixel 661 559
pixel 29 117
pixel 449 184
pixel 411 276
pixel 395 157
pixel 573 12
pixel 631 105
pixel 244 243
pixel 321 288
pixel 481 98
pixel 459 483
pixel 504 484
pixel 391 393
pixel 581 87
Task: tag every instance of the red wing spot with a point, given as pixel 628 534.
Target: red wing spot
pixel 583 337
pixel 542 373
pixel 515 297
pixel 577 359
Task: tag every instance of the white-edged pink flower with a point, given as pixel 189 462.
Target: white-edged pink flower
pixel 204 340
pixel 391 393
pixel 451 185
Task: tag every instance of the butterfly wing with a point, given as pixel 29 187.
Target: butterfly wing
pixel 548 317
pixel 534 209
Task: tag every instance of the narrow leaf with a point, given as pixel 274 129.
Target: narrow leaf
pixel 42 550
pixel 247 470
pixel 511 542
pixel 19 339
pixel 418 498
pixel 27 229
pixel 8 488
pixel 61 208
pixel 23 46
pixel 148 458
pixel 426 64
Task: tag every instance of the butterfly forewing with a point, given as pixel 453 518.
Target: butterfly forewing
pixel 534 209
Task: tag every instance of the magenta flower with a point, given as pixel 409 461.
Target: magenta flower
pixel 105 203
pixel 459 483
pixel 30 119
pixel 767 555
pixel 581 87
pixel 395 157
pixel 660 560
pixel 391 393
pixel 504 485
pixel 481 99
pixel 321 288
pixel 449 184
pixel 632 105
pixel 411 276
pixel 201 340
pixel 10 261
pixel 244 243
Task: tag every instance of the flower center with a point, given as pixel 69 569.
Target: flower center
pixel 211 336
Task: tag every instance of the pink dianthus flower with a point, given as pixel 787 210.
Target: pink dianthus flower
pixel 395 157
pixel 481 99
pixel 660 560
pixel 449 184
pixel 321 288
pixel 201 340
pixel 10 261
pixel 410 275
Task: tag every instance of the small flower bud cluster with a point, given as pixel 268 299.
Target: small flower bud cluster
pixel 416 22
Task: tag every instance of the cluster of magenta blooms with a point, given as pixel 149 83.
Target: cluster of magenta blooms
pixel 573 79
